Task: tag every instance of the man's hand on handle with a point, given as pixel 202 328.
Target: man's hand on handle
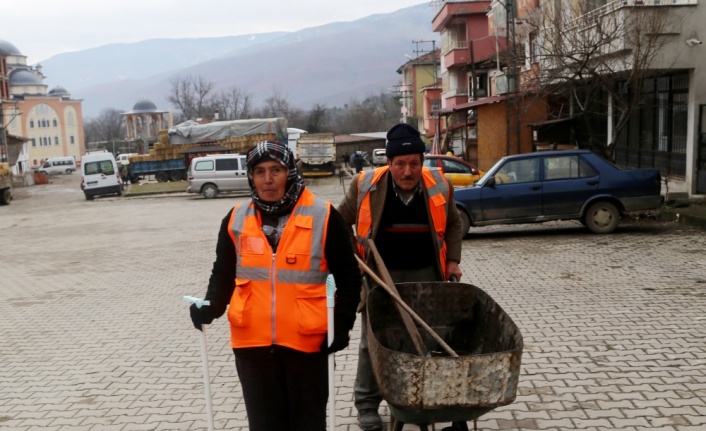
pixel 453 271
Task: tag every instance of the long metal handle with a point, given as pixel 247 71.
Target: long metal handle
pixel 206 378
pixel 408 323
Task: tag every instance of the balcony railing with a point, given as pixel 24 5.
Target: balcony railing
pixel 456 91
pixel 450 45
pixel 618 4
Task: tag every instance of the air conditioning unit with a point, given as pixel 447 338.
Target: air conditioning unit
pixel 505 84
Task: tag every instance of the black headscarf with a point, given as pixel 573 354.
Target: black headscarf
pixel 274 150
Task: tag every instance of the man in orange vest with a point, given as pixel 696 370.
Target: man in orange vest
pixel 273 256
pixel 409 211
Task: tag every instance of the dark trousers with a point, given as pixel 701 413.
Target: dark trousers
pixel 284 389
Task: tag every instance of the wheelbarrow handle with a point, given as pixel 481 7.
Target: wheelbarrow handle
pixel 406 307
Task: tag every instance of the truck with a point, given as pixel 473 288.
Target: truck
pixel 5 184
pixel 169 158
pixel 317 152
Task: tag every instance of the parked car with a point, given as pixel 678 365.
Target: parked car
pixel 558 185
pixel 379 157
pixel 58 165
pixel 460 172
pixel 217 173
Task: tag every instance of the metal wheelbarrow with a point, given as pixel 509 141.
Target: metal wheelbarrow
pixel 437 387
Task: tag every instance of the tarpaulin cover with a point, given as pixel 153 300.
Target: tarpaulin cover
pixel 191 132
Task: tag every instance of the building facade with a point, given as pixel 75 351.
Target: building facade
pixel 420 91
pixel 521 98
pixel 50 120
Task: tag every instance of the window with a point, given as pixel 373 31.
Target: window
pixel 227 165
pixel 567 167
pixel 54 122
pixel 71 139
pixel 451 167
pixel 204 165
pixel 31 124
pixel 518 171
pixel 100 167
pixel 533 48
pixel 34 144
pixel 56 140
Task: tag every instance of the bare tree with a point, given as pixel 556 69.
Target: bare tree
pixel 109 125
pixel 233 104
pixel 276 105
pixel 192 95
pixel 597 58
pixel 317 120
pixel 374 114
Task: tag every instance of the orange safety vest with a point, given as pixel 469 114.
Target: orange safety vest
pixel 280 298
pixel 438 189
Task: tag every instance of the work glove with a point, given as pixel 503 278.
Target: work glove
pixel 340 342
pixel 201 316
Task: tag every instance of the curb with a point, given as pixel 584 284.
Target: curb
pixel 682 218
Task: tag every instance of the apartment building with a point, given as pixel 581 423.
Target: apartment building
pixel 420 90
pixel 633 96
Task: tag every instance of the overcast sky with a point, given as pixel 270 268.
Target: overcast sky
pixel 43 28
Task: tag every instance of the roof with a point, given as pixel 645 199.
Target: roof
pixel 144 106
pixel 58 91
pixel 9 48
pixel 24 77
pixel 469 105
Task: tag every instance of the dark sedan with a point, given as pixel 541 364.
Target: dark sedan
pixel 558 185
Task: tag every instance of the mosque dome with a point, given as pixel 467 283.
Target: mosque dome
pixel 144 106
pixel 58 91
pixel 24 77
pixel 9 48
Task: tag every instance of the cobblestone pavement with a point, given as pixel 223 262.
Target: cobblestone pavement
pixel 95 335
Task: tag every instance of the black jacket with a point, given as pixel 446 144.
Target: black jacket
pixel 339 256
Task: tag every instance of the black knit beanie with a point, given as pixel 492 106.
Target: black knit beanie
pixel 403 139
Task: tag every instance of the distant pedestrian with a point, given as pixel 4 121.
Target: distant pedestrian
pixel 358 161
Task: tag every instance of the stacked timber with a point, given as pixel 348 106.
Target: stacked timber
pixel 165 150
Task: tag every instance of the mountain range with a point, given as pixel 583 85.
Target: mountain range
pixel 331 64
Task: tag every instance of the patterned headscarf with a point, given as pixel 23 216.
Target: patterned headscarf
pixel 273 150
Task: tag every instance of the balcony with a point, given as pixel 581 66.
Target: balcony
pixel 448 10
pixel 590 17
pixel 457 54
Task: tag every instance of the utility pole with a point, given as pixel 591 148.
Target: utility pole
pixel 3 138
pixel 512 102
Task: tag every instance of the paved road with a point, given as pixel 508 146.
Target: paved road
pixel 95 335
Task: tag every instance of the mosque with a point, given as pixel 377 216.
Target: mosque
pixel 37 123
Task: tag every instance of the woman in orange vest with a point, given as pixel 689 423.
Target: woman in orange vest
pixel 273 255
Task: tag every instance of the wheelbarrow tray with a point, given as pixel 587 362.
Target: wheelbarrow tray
pixel 438 387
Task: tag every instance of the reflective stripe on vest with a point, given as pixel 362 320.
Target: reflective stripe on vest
pixel 286 289
pixel 438 190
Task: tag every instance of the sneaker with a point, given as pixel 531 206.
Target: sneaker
pixel 369 420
